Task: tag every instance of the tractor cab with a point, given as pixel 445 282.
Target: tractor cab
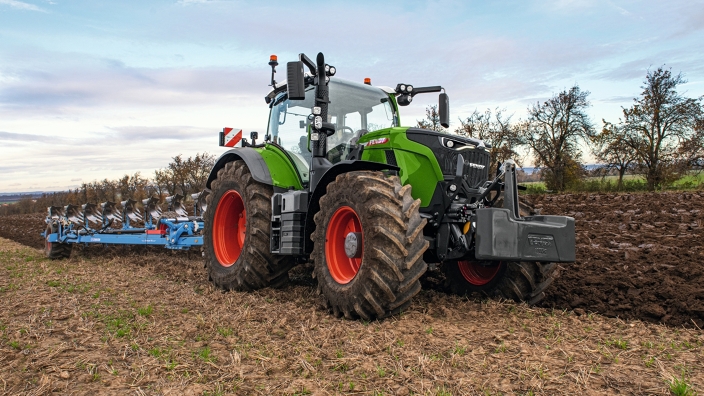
pixel 354 110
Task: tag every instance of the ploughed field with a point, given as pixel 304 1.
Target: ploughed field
pixel 639 256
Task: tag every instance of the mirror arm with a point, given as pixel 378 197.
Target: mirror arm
pixel 306 61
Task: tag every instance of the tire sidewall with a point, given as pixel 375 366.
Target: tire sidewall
pixel 223 187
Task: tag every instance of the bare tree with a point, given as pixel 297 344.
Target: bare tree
pixel 691 151
pixel 611 149
pixel 497 130
pixel 184 176
pixel 431 120
pixel 553 132
pixel 658 124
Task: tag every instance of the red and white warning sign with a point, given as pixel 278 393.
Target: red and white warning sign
pixel 232 136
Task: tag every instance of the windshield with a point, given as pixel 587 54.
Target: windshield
pixel 355 109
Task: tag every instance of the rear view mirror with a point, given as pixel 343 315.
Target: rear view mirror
pixel 296 85
pixel 444 110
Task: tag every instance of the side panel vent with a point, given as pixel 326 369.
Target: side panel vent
pixel 390 157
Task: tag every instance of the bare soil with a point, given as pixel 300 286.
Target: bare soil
pixel 638 256
pixel 142 322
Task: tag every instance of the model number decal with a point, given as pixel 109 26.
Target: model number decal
pixel 376 141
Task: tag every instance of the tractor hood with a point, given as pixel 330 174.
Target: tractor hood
pixel 457 140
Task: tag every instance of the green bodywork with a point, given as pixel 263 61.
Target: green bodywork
pixel 418 164
pixel 283 173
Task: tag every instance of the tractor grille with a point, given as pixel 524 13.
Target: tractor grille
pixel 476 164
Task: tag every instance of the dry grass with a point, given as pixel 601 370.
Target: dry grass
pixel 150 323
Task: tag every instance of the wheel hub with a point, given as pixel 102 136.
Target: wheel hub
pixel 353 247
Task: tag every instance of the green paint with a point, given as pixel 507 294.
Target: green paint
pixel 418 164
pixel 283 173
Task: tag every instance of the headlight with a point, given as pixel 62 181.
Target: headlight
pixel 318 122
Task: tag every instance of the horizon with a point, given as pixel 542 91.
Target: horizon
pixel 90 91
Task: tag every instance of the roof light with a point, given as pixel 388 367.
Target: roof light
pixel 403 87
pixel 273 58
pixel 367 80
pixel 409 88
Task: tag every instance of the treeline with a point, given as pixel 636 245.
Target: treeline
pixel 180 176
pixel 660 137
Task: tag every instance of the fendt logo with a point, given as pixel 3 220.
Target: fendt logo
pixel 476 166
pixel 540 240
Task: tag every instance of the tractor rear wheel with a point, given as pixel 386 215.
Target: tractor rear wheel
pixel 236 233
pixel 368 245
pixel 55 250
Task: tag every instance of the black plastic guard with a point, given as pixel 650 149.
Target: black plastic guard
pixel 500 236
pixel 251 157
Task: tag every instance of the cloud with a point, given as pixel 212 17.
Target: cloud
pixel 20 5
pixel 24 137
pixel 617 99
pixel 77 179
pixel 180 133
pixel 14 184
pixel 91 83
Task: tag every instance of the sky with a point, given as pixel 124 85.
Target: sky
pixel 98 89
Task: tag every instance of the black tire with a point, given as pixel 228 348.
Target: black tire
pixel 391 261
pixel 518 281
pixel 255 267
pixel 55 250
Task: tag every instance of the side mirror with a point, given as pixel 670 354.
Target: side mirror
pixel 444 110
pixel 296 85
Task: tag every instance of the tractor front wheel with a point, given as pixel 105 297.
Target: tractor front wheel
pixel 518 281
pixel 236 239
pixel 368 245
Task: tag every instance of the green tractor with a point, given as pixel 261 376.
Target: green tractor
pixel 337 181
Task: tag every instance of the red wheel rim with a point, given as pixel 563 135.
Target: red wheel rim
pixel 477 274
pixel 342 268
pixel 47 244
pixel 229 228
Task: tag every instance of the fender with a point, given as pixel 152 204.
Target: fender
pixel 328 177
pixel 250 156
